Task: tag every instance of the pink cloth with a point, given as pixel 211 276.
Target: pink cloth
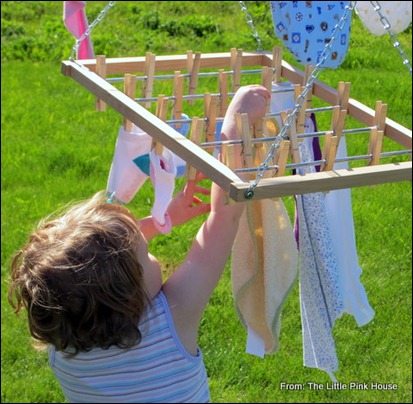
pixel 74 17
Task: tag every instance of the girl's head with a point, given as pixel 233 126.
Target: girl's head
pixel 80 279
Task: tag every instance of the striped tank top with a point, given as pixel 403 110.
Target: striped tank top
pixel 157 370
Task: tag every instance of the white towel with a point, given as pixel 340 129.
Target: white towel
pixel 340 218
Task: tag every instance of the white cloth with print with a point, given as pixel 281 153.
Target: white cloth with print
pixel 398 14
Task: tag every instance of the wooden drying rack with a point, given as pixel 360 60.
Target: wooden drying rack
pixel 92 74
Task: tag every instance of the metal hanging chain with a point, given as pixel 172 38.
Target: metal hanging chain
pixel 250 22
pixel 87 33
pixel 249 193
pixel 393 37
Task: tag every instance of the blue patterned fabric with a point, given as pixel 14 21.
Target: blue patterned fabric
pixel 306 27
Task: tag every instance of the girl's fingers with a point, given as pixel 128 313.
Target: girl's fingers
pixel 201 190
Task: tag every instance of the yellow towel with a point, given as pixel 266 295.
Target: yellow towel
pixel 263 269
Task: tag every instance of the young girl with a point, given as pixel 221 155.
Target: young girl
pixel 94 293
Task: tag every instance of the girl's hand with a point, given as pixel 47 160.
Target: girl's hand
pixel 186 205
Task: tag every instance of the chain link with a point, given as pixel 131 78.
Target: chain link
pixel 250 22
pixel 393 37
pixel 87 33
pixel 249 193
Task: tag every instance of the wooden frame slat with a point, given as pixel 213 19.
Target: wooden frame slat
pixel 84 72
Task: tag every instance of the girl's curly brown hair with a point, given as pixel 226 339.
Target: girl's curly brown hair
pixel 80 280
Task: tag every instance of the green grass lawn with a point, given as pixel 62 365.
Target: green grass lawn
pixel 56 148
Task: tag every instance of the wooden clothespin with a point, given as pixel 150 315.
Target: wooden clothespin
pixel 101 72
pixel 266 81
pixel 338 120
pixel 277 63
pixel 193 65
pixel 130 90
pixel 308 100
pixel 332 138
pixel 243 128
pixel 223 91
pixel 162 107
pixel 294 144
pixel 236 64
pixel 375 145
pixel 309 97
pixel 178 92
pixel 300 118
pixel 195 136
pixel 281 157
pixel 377 133
pixel 149 72
pixel 266 77
pixel 161 113
pixel 380 115
pixel 210 110
pixel 343 94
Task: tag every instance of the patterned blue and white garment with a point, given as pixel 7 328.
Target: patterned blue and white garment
pixel 306 27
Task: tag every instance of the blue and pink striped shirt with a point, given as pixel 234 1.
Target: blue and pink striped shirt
pixel 158 369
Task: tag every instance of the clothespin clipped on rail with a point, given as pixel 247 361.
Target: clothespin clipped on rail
pixel 210 111
pixel 281 157
pixel 101 72
pixel 332 138
pixel 292 134
pixel 195 136
pixel 236 64
pixel 343 94
pixel 309 97
pixel 263 126
pixel 243 129
pixel 277 53
pixel 161 113
pixel 223 91
pixel 266 79
pixel 130 90
pixel 258 128
pixel 300 118
pixel 149 72
pixel 377 133
pixel 193 65
pixel 308 100
pixel 338 120
pixel 178 92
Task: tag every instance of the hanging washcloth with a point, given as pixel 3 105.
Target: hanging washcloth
pixel 264 260
pixel 321 294
pixel 263 271
pixel 130 166
pixel 398 14
pixel 306 27
pixel 340 218
pixel 74 17
pixel 134 162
